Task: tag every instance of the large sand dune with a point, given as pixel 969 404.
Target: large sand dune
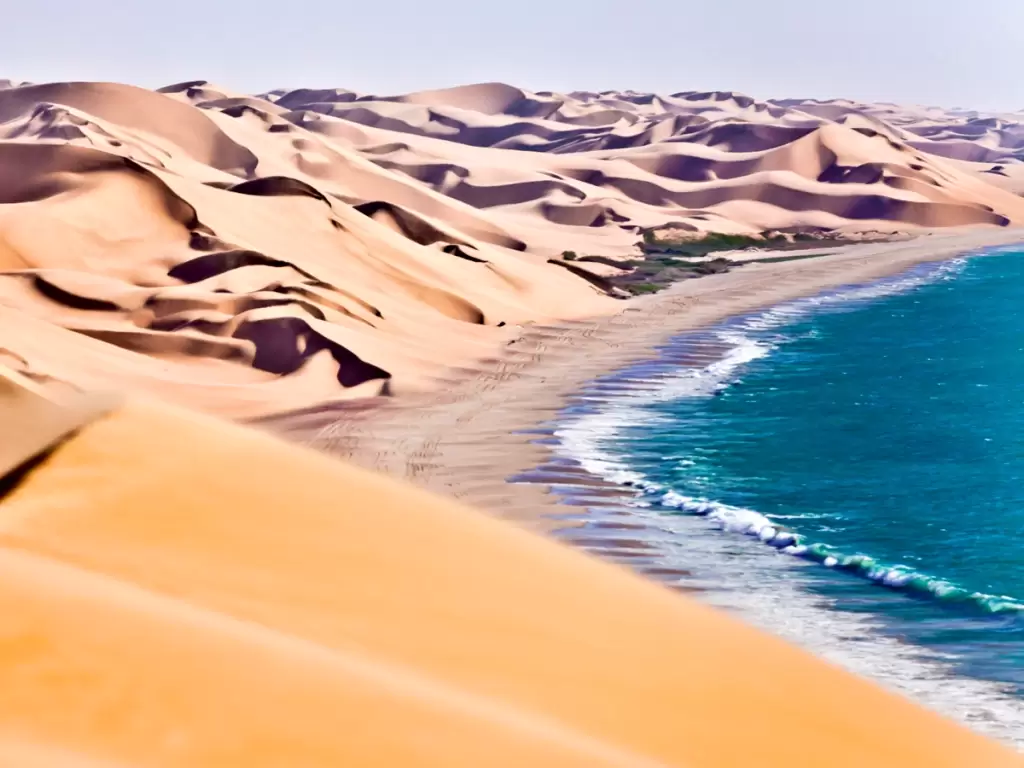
pixel 179 591
pixel 248 254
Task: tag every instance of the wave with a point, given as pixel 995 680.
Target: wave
pixel 621 401
pixel 899 577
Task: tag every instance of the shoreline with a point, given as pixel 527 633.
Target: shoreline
pixel 629 526
pixel 467 438
pixel 490 441
pixel 619 509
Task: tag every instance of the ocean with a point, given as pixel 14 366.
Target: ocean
pixel 845 470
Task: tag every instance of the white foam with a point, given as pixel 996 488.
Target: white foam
pixel 582 438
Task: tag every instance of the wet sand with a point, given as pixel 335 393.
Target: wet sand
pixel 486 424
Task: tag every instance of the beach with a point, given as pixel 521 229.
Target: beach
pixel 486 425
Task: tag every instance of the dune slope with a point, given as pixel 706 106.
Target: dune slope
pixel 219 607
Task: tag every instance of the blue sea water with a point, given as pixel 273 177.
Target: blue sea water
pixel 846 470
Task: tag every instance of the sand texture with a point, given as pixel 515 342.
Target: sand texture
pixel 255 254
pixel 177 591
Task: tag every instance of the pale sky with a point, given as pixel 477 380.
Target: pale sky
pixel 946 52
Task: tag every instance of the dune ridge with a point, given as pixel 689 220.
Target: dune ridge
pixel 248 254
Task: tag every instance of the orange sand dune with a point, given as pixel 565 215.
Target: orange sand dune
pixel 251 254
pixel 176 591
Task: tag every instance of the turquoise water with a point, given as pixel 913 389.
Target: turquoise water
pixel 855 458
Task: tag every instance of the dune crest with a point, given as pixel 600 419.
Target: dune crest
pixel 250 254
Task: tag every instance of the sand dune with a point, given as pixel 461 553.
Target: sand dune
pixel 246 254
pixel 219 606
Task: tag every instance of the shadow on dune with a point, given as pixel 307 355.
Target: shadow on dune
pixel 284 344
pixel 407 223
pixel 273 186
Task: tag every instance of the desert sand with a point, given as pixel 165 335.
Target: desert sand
pixel 178 591
pixel 251 254
pixel 375 276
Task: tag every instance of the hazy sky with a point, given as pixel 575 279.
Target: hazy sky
pixel 948 52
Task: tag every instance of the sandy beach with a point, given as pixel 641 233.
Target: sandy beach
pixel 469 437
